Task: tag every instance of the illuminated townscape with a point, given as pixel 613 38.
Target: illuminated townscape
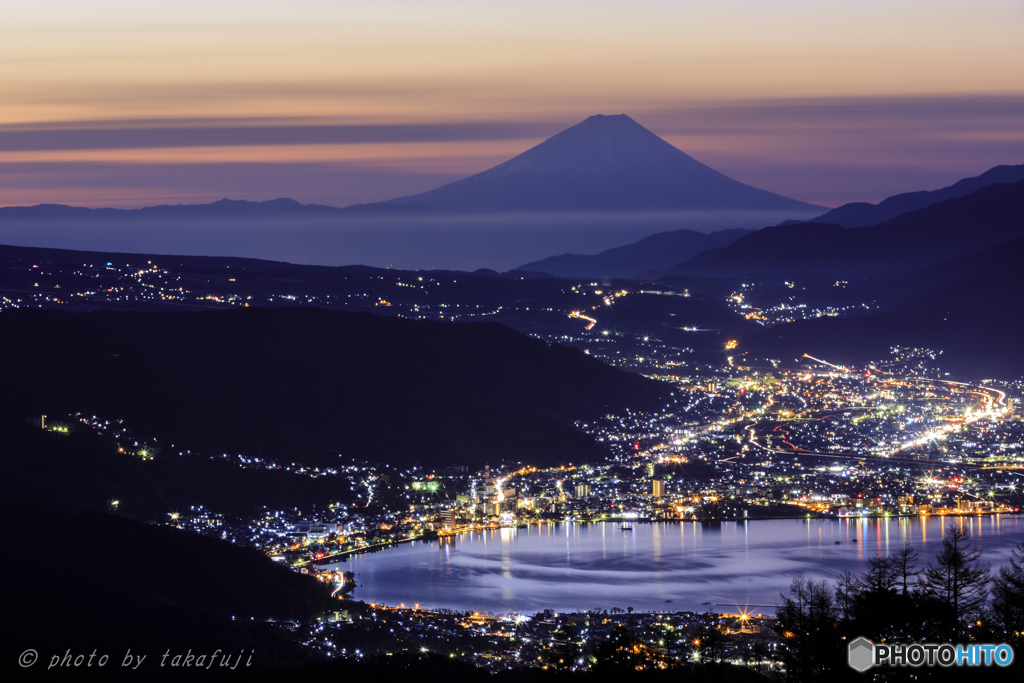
pixel 512 342
pixel 740 440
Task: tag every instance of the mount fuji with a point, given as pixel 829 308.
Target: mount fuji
pixel 604 163
pixel 603 183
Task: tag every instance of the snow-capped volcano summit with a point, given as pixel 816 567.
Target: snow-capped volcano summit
pixel 602 163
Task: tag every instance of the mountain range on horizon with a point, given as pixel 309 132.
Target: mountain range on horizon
pixel 604 163
pixel 668 252
pixel 598 184
pixel 222 208
pixel 909 279
pixel 864 214
pixel 543 158
pixel 942 231
pixel 918 280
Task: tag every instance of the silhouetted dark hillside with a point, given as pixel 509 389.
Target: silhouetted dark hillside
pixel 862 214
pixel 963 307
pixel 96 581
pixel 308 385
pixel 649 255
pixel 81 471
pixel 913 240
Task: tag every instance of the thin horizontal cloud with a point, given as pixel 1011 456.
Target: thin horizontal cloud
pixel 237 134
pixel 913 116
pixel 465 156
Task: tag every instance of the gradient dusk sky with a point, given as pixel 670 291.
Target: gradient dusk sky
pixel 124 103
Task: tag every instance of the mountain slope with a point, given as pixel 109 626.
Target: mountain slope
pixel 861 214
pixel 912 240
pixel 603 163
pixel 960 306
pixel 305 385
pixel 114 585
pixel 657 252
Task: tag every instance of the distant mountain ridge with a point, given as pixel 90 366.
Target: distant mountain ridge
pixel 665 250
pixel 915 239
pixel 863 214
pixel 604 163
pixel 222 208
pixel 649 255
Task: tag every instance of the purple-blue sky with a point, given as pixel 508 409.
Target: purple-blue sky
pixel 116 103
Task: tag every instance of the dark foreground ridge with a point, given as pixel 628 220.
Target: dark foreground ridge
pixel 111 585
pixel 307 385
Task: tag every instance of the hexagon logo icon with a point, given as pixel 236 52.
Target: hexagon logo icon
pixel 861 654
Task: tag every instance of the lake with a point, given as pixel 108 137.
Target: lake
pixel 656 566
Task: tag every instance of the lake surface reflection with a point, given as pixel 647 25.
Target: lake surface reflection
pixel 677 566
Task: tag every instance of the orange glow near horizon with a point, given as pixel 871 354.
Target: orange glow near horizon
pixel 413 61
pixel 409 62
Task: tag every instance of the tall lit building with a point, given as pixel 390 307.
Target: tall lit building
pixel 448 518
pixel 657 488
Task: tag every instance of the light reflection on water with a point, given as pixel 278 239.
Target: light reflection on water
pixel 685 566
